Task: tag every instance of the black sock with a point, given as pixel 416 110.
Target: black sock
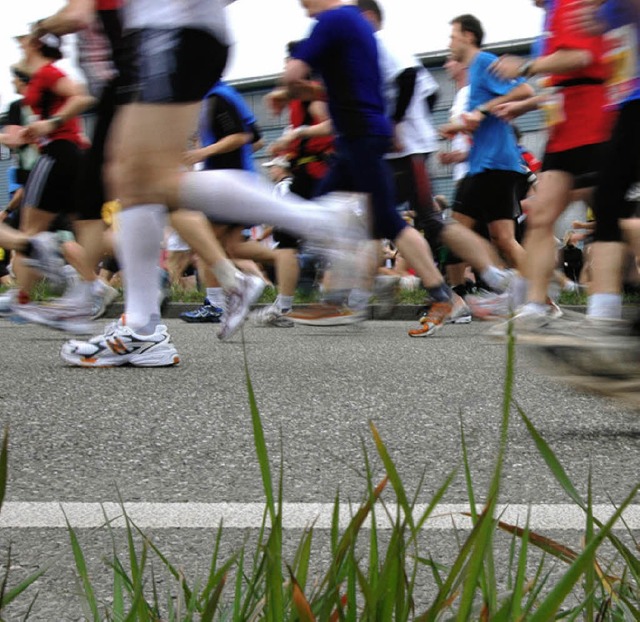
pixel 441 293
pixel 28 248
pixel 461 290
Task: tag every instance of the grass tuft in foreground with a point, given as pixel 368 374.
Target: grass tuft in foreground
pixel 366 579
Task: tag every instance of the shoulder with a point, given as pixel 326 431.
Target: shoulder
pixel 50 74
pixel 483 60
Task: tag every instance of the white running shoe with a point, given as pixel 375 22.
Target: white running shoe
pixel 344 242
pixel 461 313
pixel 238 304
pixel 102 301
pixel 71 316
pixel 47 258
pixel 272 316
pixel 7 300
pixel 119 345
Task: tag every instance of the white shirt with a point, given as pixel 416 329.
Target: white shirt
pixel 460 142
pixel 202 14
pixel 416 131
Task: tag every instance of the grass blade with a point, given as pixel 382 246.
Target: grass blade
pixel 4 465
pixel 259 441
pixel 552 462
pixel 81 568
pixel 552 602
pixel 392 474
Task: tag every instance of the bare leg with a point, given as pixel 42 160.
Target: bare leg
pixel 552 196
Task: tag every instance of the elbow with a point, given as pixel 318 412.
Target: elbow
pixel 585 58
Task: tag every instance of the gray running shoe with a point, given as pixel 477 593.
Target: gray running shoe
pixel 101 302
pixel 272 316
pixel 69 316
pixel 385 290
pixel 47 258
pixel 7 300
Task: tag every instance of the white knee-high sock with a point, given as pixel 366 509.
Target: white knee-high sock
pixel 140 232
pixel 244 197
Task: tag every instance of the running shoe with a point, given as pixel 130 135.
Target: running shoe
pixel 46 257
pixel 490 306
pixel 343 242
pixel 433 320
pixel 598 357
pixel 385 290
pixel 7 300
pixel 239 301
pixel 102 301
pixel 325 314
pixel 272 316
pixel 119 345
pixel 461 313
pixel 207 313
pixel 72 316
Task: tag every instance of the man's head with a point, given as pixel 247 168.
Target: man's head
pixel 372 12
pixel 315 7
pixel 466 36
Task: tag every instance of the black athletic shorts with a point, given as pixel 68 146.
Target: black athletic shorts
pixel 488 196
pixel 90 190
pixel 177 65
pixel 52 183
pixel 582 162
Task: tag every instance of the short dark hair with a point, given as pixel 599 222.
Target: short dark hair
pixel 50 46
pixel 470 23
pixel 373 6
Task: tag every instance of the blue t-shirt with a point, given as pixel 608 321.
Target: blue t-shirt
pixel 494 146
pixel 343 49
pixel 243 158
pixel 619 15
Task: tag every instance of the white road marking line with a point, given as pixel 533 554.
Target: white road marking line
pixel 24 515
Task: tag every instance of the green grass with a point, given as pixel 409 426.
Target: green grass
pixel 364 579
pixel 404 297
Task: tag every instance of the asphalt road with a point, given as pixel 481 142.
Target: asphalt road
pixel 183 435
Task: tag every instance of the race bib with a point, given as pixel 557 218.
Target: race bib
pixel 621 60
pixel 553 109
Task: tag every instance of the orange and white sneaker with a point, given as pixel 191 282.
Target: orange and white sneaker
pixel 120 345
pixel 324 314
pixel 434 319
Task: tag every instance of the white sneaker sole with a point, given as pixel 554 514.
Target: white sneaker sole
pixel 465 319
pixel 331 321
pixel 160 357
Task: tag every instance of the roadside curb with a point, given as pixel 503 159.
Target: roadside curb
pixel 376 312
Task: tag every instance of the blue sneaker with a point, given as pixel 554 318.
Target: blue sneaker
pixel 206 313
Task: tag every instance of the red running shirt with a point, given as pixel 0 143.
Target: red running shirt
pixel 585 120
pixel 45 103
pixel 109 5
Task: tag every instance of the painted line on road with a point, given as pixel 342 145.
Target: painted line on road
pixel 30 515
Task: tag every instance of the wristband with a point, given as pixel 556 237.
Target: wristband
pixel 525 69
pixel 483 110
pixel 57 121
